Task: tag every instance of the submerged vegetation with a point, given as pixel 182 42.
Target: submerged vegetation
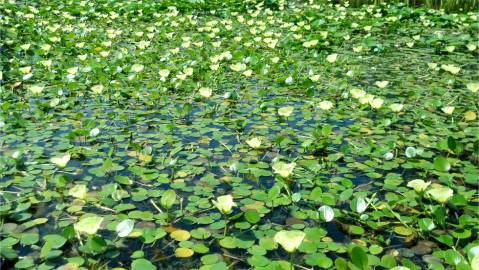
pixel 237 135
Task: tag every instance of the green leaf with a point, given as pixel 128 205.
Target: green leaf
pixel 319 259
pixel 95 244
pixel 168 199
pixel 200 233
pixel 29 239
pixel 24 263
pixel 359 258
pixel 453 257
pixel 442 164
pixel 315 194
pixel 388 261
pixel 426 224
pixel 252 216
pixel 142 264
pixel 258 260
pixel 228 242
pixel 55 240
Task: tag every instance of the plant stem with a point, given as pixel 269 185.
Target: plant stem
pixel 226 227
pixel 291 260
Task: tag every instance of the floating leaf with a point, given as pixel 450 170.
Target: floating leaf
pixel 168 198
pixel 184 252
pixel 359 257
pixel 402 230
pixel 442 164
pixel 142 264
pixel 180 235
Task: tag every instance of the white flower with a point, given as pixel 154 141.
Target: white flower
pixel 224 203
pixel 448 109
pixel 254 142
pixel 285 111
pixel 97 89
pixel 27 76
pixel 25 70
pixel 288 80
pixel 72 70
pixel 164 73
pixel 357 49
pixel 314 78
pixel 47 63
pixel 451 68
pixel 396 107
pixel 388 156
pixel 233 167
pixel 248 73
pixel 418 185
pixel 326 213
pixel 361 205
pixel 440 194
pixel 289 240
pixel 78 191
pixel 61 161
pixel 137 68
pixel 124 228
pixel 25 46
pixel 238 67
pixel 382 84
pixel 432 65
pixel 309 44
pixel 94 132
pixel 450 48
pixel 16 154
pixel 36 89
pixel 473 86
pixel 283 169
pixel 471 47
pixel 357 93
pixel 54 102
pixel 205 92
pixel 366 99
pixel 88 225
pixel 325 105
pixel 376 103
pixel 332 58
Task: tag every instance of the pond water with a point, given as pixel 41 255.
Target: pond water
pixel 358 115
